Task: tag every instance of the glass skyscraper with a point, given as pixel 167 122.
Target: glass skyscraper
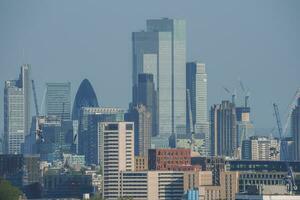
pixel 16 111
pixel 161 51
pixel 58 100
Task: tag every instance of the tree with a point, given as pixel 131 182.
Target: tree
pixel 8 192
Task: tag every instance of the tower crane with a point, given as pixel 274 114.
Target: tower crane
pixel 39 131
pixel 290 178
pixel 233 94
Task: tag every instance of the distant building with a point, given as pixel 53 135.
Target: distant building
pixel 88 133
pixel 245 128
pixel 261 148
pixel 142 119
pixel 85 97
pixel 17 111
pixel 170 159
pixel 287 145
pixel 66 185
pixel 117 145
pixel 58 100
pixel 295 126
pixel 161 51
pixel 223 133
pixel 146 95
pixel 20 170
pixel 141 163
pixel 196 83
pixel 148 185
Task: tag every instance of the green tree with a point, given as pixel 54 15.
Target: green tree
pixel 8 192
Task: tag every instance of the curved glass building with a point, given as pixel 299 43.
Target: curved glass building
pixel 85 97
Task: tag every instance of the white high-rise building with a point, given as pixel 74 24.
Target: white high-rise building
pixel 117 144
pixel 161 51
pixel 196 83
pixel 17 111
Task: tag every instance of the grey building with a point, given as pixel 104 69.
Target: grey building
pixel 161 51
pixel 58 100
pixel 223 129
pixel 196 83
pixel 17 111
pixel 295 125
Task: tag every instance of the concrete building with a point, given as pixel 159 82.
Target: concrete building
pixel 117 144
pixel 88 133
pixel 223 133
pixel 261 148
pixel 161 51
pixel 17 111
pixel 141 163
pixel 58 100
pixel 196 83
pixel 151 185
pixel 295 126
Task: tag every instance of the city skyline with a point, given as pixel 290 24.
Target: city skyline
pixel 205 42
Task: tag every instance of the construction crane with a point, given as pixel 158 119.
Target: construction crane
pixel 233 94
pixel 192 127
pixel 246 93
pixel 289 179
pixel 39 126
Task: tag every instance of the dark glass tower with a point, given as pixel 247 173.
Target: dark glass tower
pixel 295 126
pixel 85 97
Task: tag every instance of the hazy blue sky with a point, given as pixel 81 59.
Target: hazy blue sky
pixel 257 41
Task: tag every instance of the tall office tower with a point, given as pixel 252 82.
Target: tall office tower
pixel 17 111
pixel 223 129
pixel 58 100
pixel 261 148
pixel 146 95
pixel 88 135
pixel 196 84
pixel 295 126
pixel 117 145
pixel 142 119
pixel 85 97
pixel 245 128
pixel 161 51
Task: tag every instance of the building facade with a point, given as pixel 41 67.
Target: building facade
pixel 223 133
pixel 17 111
pixel 117 145
pixel 196 83
pixel 161 51
pixel 58 100
pixel 261 148
pixel 295 125
pixel 88 133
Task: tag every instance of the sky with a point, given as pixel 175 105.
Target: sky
pixel 253 41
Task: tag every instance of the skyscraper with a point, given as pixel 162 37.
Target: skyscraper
pixel 17 111
pixel 161 51
pixel 223 129
pixel 85 97
pixel 196 83
pixel 295 125
pixel 58 100
pixel 146 95
pixel 88 135
pixel 117 145
pixel 142 119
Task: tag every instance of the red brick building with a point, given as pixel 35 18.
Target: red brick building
pixel 170 159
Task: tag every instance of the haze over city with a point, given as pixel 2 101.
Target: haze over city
pixel 255 41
